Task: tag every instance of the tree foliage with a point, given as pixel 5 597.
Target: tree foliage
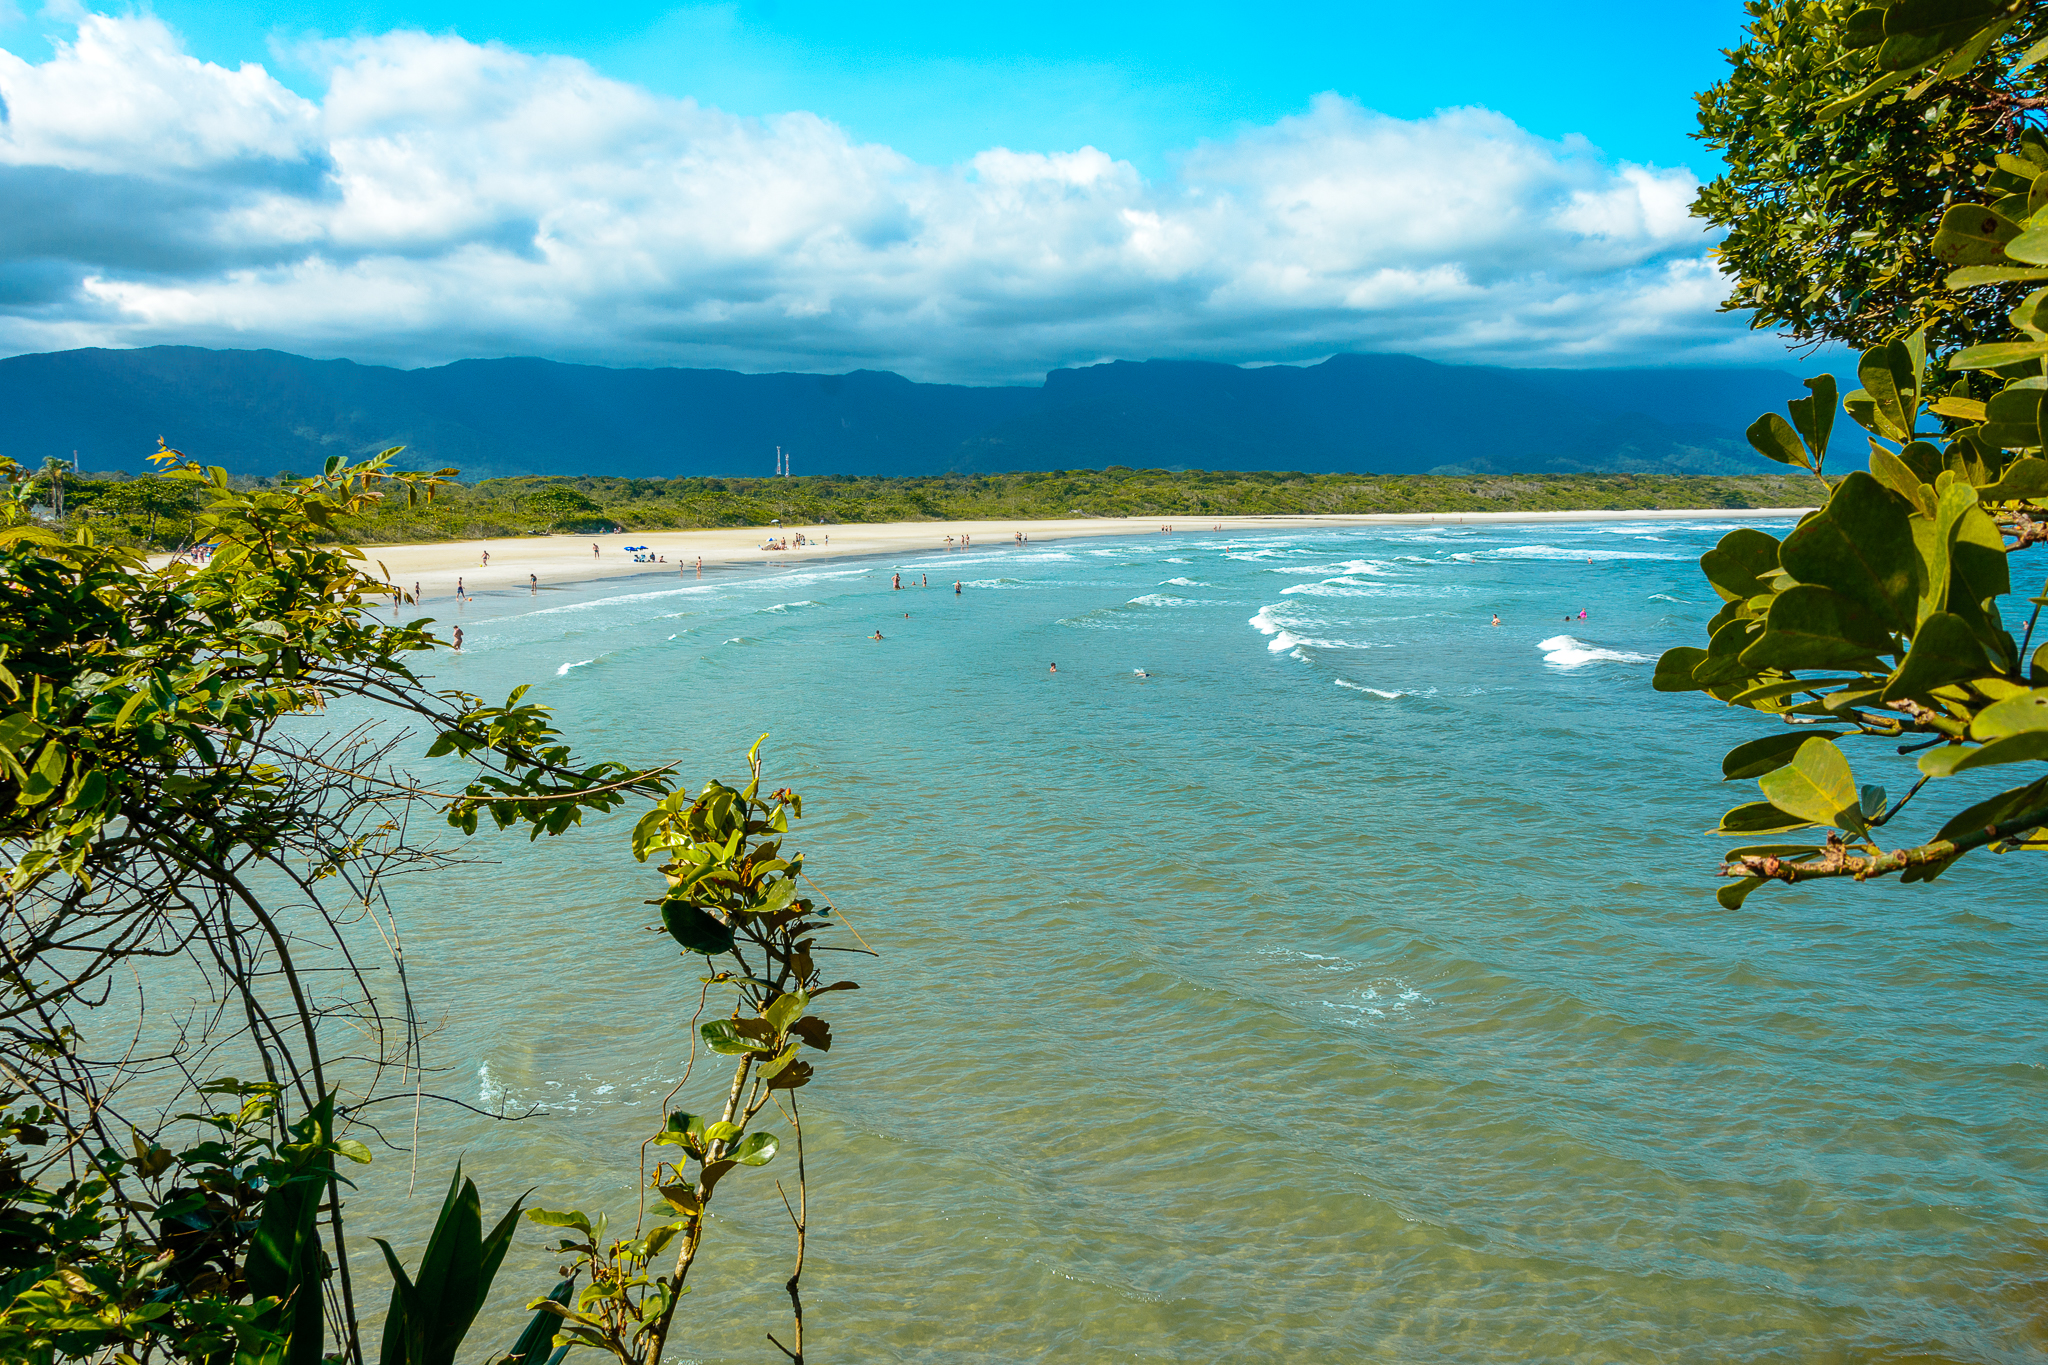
pixel 1882 616
pixel 202 786
pixel 1830 201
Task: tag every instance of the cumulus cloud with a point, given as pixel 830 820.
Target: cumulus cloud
pixel 446 199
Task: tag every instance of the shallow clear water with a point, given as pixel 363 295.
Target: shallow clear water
pixel 1351 987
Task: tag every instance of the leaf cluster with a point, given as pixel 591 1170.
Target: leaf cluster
pixel 1847 130
pixel 731 892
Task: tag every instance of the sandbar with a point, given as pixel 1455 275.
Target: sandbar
pixel 437 566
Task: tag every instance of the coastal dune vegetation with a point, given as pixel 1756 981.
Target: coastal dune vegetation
pixel 160 513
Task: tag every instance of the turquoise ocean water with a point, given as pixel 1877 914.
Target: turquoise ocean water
pixel 1350 988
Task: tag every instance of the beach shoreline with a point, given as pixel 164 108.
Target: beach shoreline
pixel 438 567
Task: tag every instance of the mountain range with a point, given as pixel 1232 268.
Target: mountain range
pixel 265 412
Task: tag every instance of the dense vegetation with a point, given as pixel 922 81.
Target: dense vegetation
pixel 1879 620
pixel 1830 202
pixel 181 833
pixel 160 514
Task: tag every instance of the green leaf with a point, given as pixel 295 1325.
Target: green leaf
pixel 695 928
pixel 1759 817
pixel 1774 438
pixel 354 1151
pixel 2028 746
pixel 1891 379
pixel 1786 687
pixel 1812 627
pixel 786 1010
pixel 1972 277
pixel 1996 355
pixel 1674 669
pixel 1924 16
pixel 1817 786
pixel 723 1035
pixel 757 1150
pixel 1760 756
pixel 1742 564
pixel 1972 235
pixel 1815 416
pixel 1944 651
pixel 722 1131
pixel 1834 109
pixel 2014 715
pixel 1732 894
pixel 1894 473
pixel 2026 477
pixel 537 1342
pixel 1861 546
pixel 570 1218
pixel 2030 246
pixel 2007 805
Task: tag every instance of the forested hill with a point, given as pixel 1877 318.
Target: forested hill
pixel 262 412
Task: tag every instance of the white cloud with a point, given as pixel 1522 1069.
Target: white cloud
pixel 446 199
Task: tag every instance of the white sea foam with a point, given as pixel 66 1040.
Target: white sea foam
pixel 1565 651
pixel 1337 587
pixel 1285 639
pixel 1182 582
pixel 1162 599
pixel 1555 552
pixel 788 606
pixel 628 597
pixel 580 663
pixel 1180 561
pixel 1361 687
pixel 1399 998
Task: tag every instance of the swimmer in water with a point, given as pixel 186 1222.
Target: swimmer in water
pixel 458 637
pixel 1496 618
pixel 1052 668
pixel 876 636
pixel 956 587
pixel 533 581
pixel 1141 672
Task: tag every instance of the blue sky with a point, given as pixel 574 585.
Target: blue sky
pixel 1140 81
pixel 951 192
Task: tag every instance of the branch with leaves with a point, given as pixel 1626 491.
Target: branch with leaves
pixel 1881 616
pixel 734 898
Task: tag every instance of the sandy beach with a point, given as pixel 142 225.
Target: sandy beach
pixel 436 567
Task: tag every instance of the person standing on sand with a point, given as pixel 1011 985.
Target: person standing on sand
pixel 533 581
pixel 458 587
pixel 593 549
pixel 458 637
pixel 487 559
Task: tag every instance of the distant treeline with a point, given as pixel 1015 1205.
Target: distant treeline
pixel 147 509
